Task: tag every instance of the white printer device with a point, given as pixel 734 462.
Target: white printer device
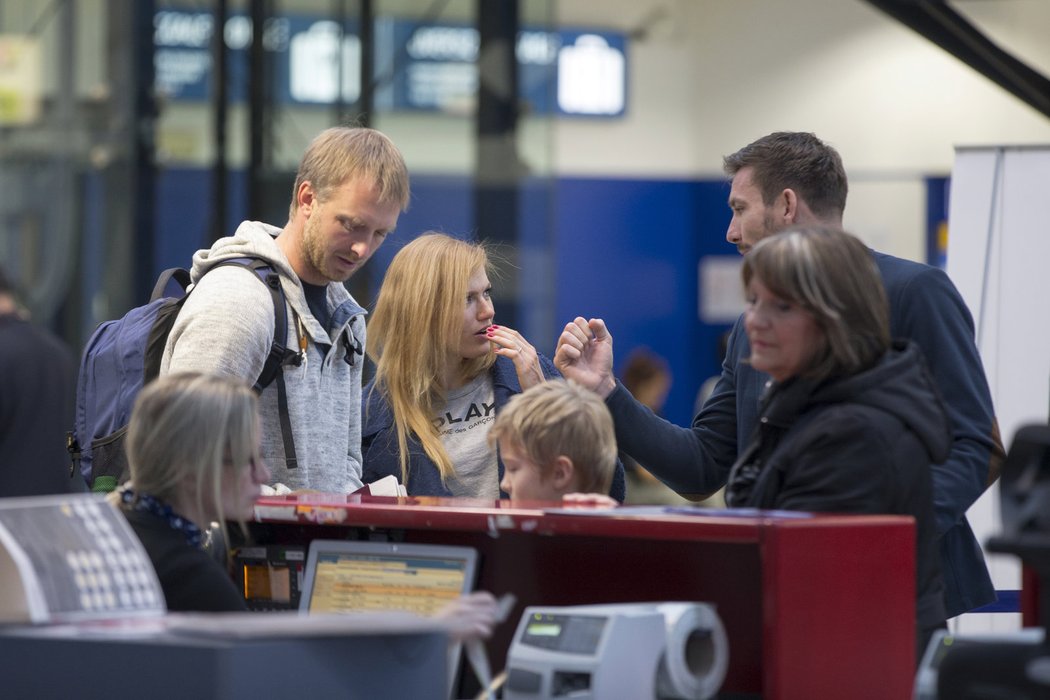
pixel 625 650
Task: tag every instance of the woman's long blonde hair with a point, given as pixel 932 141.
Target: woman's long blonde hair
pixel 416 324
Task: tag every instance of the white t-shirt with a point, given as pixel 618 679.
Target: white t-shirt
pixel 463 424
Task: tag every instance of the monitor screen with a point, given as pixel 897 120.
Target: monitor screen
pixel 369 576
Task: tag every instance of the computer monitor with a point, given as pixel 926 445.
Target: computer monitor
pixel 354 576
pixel 366 576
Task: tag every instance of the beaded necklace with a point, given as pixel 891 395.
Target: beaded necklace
pixel 150 504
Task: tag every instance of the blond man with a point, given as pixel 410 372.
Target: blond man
pixel 351 187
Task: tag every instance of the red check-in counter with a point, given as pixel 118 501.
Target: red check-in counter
pixel 813 606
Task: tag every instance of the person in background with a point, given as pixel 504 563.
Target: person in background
pixel 350 189
pixel 793 178
pixel 37 387
pixel 708 386
pixel 444 371
pixel 647 376
pixel 195 458
pixel 555 438
pixel 849 422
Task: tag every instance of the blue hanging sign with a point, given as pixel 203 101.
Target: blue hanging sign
pixel 419 67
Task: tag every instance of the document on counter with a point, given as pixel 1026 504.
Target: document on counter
pixel 735 512
pixel 605 511
pixel 700 511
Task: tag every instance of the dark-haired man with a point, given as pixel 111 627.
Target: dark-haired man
pixel 793 178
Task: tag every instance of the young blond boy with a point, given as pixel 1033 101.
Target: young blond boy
pixel 554 439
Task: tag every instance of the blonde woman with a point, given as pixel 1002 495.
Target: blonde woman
pixel 443 371
pixel 193 454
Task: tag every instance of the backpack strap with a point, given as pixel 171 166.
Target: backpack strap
pixel 279 355
pixel 352 349
pixel 290 460
pixel 173 283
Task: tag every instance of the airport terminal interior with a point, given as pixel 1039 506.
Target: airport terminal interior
pixel 585 150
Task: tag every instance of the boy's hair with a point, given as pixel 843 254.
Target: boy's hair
pixel 561 418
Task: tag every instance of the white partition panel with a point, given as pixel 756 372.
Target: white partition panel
pixel 999 258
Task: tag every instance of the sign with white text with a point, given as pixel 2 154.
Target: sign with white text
pixel 419 67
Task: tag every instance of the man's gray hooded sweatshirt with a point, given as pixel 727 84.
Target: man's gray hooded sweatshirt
pixel 226 327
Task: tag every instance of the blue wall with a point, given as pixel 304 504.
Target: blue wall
pixel 623 250
pixel 627 252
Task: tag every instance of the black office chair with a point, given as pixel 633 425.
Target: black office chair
pixel 1012 669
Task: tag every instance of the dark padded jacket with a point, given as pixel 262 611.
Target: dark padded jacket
pixel 37 387
pixel 925 308
pixel 863 444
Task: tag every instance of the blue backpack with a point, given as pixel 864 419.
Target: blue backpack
pixel 124 355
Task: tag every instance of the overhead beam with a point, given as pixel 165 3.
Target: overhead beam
pixel 941 24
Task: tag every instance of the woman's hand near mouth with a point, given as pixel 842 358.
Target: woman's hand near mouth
pixel 512 345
